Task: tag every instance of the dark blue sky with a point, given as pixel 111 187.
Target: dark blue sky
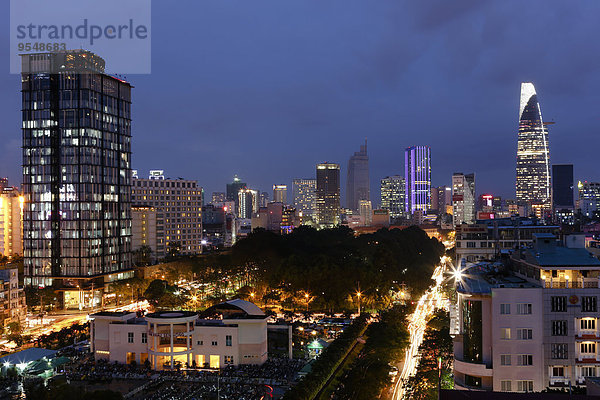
pixel 266 89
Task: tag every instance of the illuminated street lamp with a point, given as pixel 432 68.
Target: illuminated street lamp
pixel 358 294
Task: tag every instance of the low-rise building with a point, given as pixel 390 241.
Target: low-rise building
pixel 531 323
pixel 230 333
pixel 486 239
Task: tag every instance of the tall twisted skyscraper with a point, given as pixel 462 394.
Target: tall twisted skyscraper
pixel 357 182
pixel 533 157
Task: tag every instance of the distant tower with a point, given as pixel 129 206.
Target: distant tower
pixel 280 194
pixel 417 172
pixel 392 195
pixel 533 157
pixel 328 195
pixel 357 180
pixel 463 198
pixel 304 197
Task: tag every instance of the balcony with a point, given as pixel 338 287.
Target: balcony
pixel 582 283
pixel 472 368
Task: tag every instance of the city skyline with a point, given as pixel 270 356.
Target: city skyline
pixel 386 99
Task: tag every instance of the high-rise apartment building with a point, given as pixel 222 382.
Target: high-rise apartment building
pixel 76 174
pixel 357 180
pixel 533 155
pixel 328 195
pixel 417 172
pixel 178 204
pixel 463 198
pixel 280 194
pixel 589 198
pixel 392 195
pixel 11 222
pixel 248 203
pixel 305 197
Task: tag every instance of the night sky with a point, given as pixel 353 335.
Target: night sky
pixel 267 89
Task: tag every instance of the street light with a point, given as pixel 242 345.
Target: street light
pixel 358 294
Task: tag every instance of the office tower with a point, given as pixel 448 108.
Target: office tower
pixel 178 204
pixel 532 325
pixel 280 194
pixel 218 198
pixel 417 172
pixel 589 198
pixel 441 200
pixel 76 175
pixel 366 211
pixel 533 157
pixel 328 195
pixel 563 206
pixel 144 234
pixel 263 199
pixel 233 189
pixel 305 197
pixel 247 203
pixel 463 198
pixel 357 180
pixel 392 195
pixel 11 222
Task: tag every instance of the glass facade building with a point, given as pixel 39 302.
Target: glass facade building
pixel 76 170
pixel 357 181
pixel 533 155
pixel 417 172
pixel 328 195
pixel 463 198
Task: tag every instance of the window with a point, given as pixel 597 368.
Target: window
pixel 200 342
pixel 505 333
pixel 558 371
pixel 505 359
pixel 588 371
pixel 473 381
pixel 523 308
pixel 505 309
pixel 129 337
pixel 588 324
pixel 588 348
pixel 589 304
pixel 144 337
pixel 559 328
pixel 525 359
pixel 524 334
pixel 525 386
pixel 214 343
pixel 559 303
pixel 228 340
pixel 560 351
pixel 228 359
pixel 505 386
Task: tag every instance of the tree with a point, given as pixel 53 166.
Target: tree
pixel 15 333
pixel 173 250
pixel 143 256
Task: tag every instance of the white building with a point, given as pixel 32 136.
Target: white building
pixel 531 326
pixel 463 198
pixel 230 333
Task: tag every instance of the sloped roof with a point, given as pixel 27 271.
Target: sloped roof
pixel 249 308
pixel 28 355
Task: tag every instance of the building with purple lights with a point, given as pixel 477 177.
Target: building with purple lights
pixel 417 171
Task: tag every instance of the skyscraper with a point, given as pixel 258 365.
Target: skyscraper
pixel 562 186
pixel 392 195
pixel 357 180
pixel 280 194
pixel 233 189
pixel 417 172
pixel 76 175
pixel 248 203
pixel 463 198
pixel 305 197
pixel 328 195
pixel 533 158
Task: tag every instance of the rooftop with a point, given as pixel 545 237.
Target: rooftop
pixel 483 277
pixel 27 356
pixel 561 256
